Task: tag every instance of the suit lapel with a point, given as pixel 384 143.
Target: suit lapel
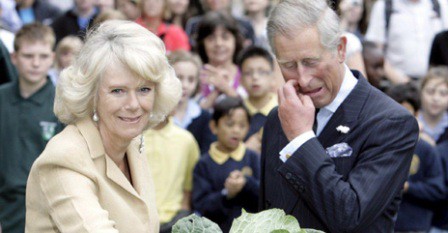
pixel 93 139
pixel 136 166
pixel 346 114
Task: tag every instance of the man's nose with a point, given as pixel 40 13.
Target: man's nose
pixel 303 77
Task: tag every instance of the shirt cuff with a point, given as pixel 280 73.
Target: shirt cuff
pixel 293 145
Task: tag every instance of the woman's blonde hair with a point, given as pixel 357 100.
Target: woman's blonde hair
pixel 112 42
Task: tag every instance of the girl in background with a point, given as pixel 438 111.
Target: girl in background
pixel 172 36
pixel 257 13
pixel 188 114
pixel 218 41
pixel 66 51
pixel 433 114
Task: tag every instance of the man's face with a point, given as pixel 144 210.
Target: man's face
pixel 33 60
pixel 318 71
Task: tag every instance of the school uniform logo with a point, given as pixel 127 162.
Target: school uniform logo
pixel 48 129
pixel 247 171
pixel 415 165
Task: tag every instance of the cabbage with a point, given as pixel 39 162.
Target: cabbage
pixel 268 221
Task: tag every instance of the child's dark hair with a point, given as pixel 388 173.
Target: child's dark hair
pixel 208 25
pixel 255 51
pixel 226 106
pixel 403 93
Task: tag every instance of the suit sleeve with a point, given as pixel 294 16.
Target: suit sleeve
pixel 347 205
pixel 70 193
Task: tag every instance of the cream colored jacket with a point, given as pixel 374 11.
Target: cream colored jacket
pixel 75 187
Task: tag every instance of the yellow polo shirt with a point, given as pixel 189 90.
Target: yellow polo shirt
pixel 172 153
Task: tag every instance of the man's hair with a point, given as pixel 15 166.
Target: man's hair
pixel 255 51
pixel 403 93
pixel 226 106
pixel 32 33
pixel 290 17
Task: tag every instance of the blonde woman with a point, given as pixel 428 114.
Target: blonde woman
pixel 93 176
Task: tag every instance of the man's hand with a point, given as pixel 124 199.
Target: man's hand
pixel 296 111
pixel 234 183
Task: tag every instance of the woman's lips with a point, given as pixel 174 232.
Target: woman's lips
pixel 130 119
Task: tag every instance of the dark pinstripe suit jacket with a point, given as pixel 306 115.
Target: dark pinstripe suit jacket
pixel 359 193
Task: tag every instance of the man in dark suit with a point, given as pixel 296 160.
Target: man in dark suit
pixel 347 174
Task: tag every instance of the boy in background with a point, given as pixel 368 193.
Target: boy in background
pixel 425 183
pixel 27 121
pixel 226 179
pixel 257 76
pixel 172 153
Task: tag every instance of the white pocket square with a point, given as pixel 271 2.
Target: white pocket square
pixel 339 150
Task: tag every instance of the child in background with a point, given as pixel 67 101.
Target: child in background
pixel 172 153
pixel 257 76
pixel 218 42
pixel 425 183
pixel 173 36
pixel 66 51
pixel 373 57
pixel 27 120
pixel 434 96
pixel 226 179
pixel 189 115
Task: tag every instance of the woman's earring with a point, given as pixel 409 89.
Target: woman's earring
pixel 142 144
pixel 95 116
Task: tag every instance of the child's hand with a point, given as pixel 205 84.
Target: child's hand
pixel 218 78
pixel 234 183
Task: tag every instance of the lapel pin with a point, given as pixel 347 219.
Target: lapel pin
pixel 343 129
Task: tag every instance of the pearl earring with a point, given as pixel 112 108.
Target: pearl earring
pixel 95 116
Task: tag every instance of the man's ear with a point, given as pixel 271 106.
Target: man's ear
pixel 342 46
pixel 213 127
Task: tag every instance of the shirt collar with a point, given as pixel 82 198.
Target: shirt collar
pixel 193 111
pixel 272 103
pixel 220 157
pixel 348 83
pixel 39 97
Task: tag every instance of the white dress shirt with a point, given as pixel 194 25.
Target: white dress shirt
pixel 348 84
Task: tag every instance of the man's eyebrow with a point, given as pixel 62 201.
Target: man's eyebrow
pixel 284 61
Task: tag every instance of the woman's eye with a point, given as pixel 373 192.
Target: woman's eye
pixel 145 89
pixel 117 91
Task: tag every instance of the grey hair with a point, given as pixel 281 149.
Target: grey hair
pixel 292 16
pixel 116 41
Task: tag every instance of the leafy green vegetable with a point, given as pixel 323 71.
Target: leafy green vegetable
pixel 268 221
pixel 272 220
pixel 195 224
